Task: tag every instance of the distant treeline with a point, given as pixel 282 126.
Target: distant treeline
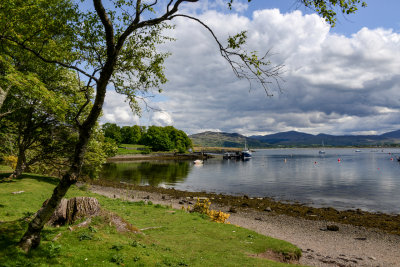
pixel 158 138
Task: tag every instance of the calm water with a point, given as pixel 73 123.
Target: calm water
pixel 369 179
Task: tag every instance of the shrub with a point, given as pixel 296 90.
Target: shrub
pixel 203 207
pixel 11 161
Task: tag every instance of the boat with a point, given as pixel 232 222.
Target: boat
pixel 358 150
pixel 321 152
pixel 198 162
pixel 246 153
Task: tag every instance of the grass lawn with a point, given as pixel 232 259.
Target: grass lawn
pixel 169 237
pixel 5 168
pixel 129 149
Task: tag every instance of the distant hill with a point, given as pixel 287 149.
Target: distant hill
pixel 293 138
pixel 220 139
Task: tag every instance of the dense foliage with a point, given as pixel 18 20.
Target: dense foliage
pixel 158 138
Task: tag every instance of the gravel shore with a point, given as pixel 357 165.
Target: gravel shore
pixel 349 246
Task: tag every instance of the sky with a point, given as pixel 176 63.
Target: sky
pixel 341 80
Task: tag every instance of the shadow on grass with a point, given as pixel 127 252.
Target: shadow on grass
pixel 11 232
pixel 4 178
pixel 12 255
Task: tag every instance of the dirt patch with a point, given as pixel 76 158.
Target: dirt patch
pixel 120 223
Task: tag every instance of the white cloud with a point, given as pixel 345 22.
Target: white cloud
pixel 333 84
pixel 160 118
pixel 116 110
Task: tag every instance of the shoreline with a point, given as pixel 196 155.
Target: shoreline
pixel 157 156
pixel 349 246
pixel 389 223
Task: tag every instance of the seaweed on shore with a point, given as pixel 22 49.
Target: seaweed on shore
pixel 387 222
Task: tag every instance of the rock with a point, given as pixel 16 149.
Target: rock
pixel 246 197
pixel 258 219
pixel 372 258
pixel 147 197
pixel 332 227
pixel 181 202
pixel 360 238
pixel 232 210
pixel 245 205
pixel 268 209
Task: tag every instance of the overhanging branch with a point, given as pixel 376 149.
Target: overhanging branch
pixel 247 67
pixel 38 55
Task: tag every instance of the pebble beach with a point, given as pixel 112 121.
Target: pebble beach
pixel 348 246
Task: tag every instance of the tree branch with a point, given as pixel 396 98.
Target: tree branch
pixel 138 12
pixel 108 27
pixel 247 68
pixel 38 55
pixel 133 26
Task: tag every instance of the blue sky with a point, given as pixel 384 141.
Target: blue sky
pixel 378 13
pixel 344 80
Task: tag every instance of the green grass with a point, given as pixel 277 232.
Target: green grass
pixel 126 149
pixel 5 168
pixel 173 237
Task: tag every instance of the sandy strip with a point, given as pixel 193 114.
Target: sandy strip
pixel 350 246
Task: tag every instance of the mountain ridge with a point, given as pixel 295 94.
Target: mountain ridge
pixel 293 138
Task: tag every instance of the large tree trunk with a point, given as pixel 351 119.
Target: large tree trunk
pixel 31 238
pixel 21 162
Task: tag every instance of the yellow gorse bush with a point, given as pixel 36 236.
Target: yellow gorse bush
pixel 11 161
pixel 203 206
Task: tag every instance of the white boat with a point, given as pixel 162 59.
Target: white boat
pixel 198 162
pixel 321 152
pixel 246 153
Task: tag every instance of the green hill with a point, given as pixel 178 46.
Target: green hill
pixel 293 138
pixel 220 139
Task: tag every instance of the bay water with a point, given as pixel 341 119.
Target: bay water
pixel 368 179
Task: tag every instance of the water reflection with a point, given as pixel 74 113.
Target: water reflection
pixel 340 178
pixel 147 173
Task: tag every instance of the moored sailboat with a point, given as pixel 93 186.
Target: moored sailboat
pixel 246 153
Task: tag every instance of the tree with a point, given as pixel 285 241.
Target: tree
pixel 157 138
pixel 112 131
pixel 117 45
pixel 39 118
pixel 179 138
pixel 131 134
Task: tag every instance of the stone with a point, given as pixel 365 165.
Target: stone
pixel 332 227
pixel 268 209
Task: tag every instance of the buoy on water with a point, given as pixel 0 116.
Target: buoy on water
pixel 338 160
